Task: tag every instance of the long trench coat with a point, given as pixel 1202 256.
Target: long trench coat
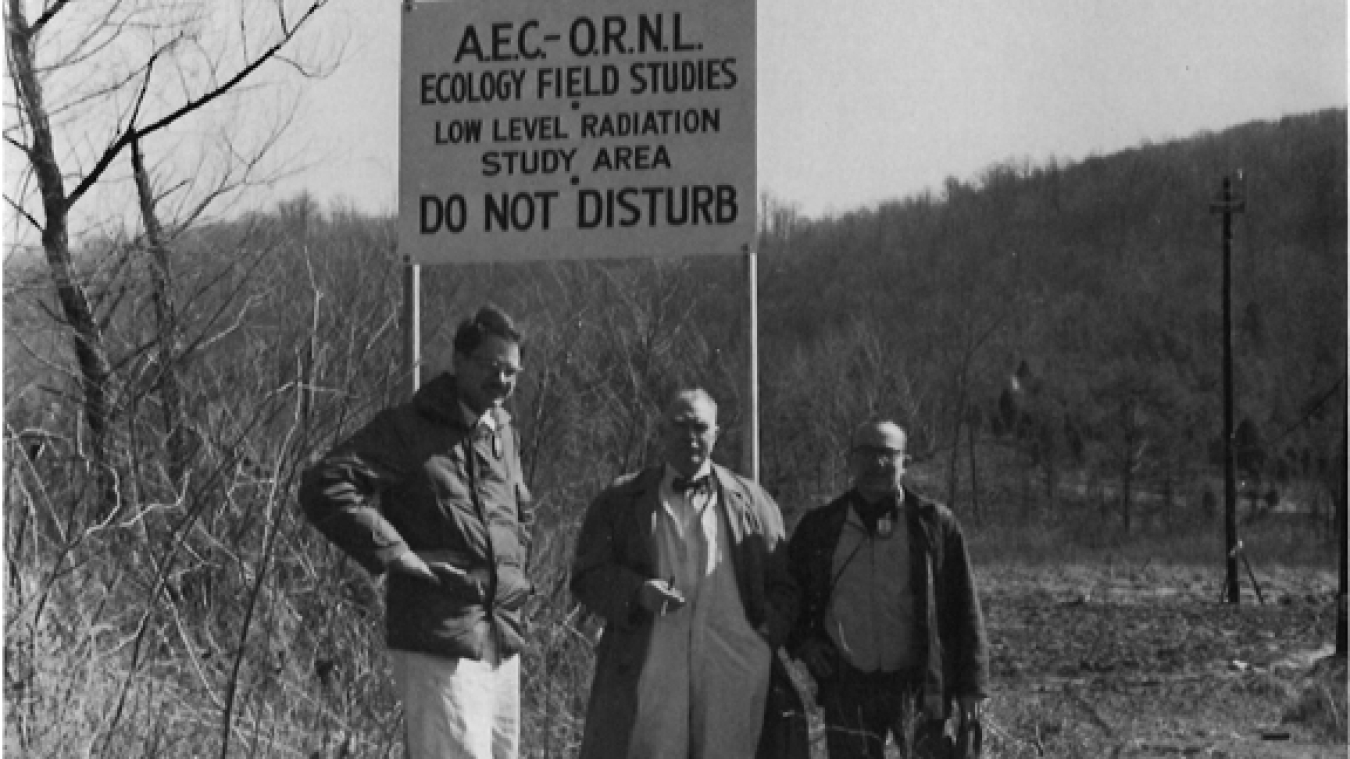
pixel 616 554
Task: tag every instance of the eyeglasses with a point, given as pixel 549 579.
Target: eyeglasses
pixel 691 426
pixel 874 452
pixel 497 367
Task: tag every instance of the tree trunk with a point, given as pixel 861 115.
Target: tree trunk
pixel 1026 490
pixel 90 352
pixel 1341 535
pixel 1051 479
pixel 952 462
pixel 167 377
pixel 974 475
pixel 1127 484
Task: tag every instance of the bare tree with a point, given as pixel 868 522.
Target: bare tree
pixel 93 81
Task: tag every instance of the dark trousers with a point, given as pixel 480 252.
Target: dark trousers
pixel 862 709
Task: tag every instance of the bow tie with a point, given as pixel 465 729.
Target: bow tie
pixel 686 486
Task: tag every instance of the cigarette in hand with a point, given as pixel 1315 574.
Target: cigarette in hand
pixel 670 586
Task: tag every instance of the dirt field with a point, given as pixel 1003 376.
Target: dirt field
pixel 1145 662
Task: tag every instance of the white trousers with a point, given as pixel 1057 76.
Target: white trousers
pixel 459 708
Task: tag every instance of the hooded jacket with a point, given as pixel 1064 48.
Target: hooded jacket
pixel 954 657
pixel 419 477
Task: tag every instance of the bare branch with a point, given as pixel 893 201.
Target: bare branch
pixel 45 17
pixel 22 147
pixel 115 85
pixel 24 213
pixel 140 98
pixel 104 33
pixel 189 107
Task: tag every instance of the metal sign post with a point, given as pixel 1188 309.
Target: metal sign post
pixel 412 324
pixel 750 465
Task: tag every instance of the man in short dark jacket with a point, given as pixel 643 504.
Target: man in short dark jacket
pixel 890 624
pixel 431 492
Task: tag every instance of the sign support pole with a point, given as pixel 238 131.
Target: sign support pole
pixel 750 451
pixel 412 324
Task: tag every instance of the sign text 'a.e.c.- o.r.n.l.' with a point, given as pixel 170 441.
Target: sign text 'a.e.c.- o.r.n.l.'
pixel 537 130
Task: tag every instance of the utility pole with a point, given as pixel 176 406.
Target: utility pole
pixel 1341 644
pixel 1229 205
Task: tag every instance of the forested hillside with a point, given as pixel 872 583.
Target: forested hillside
pixel 1049 333
pixel 1100 284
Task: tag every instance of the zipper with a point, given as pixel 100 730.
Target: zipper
pixel 471 465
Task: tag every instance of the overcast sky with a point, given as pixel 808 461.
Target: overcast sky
pixel 866 100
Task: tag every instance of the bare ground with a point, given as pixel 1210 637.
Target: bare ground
pixel 1145 661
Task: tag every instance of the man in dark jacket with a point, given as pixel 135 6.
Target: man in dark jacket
pixel 430 491
pixel 684 561
pixel 890 626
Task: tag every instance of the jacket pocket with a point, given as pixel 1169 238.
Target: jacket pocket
pixel 513 587
pixel 426 617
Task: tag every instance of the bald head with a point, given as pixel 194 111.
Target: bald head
pixel 684 400
pixel 877 459
pixel 880 434
pixel 689 430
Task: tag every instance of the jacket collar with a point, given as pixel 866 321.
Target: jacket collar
pixel 439 400
pixel 907 499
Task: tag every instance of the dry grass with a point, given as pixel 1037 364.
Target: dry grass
pixel 1319 703
pixel 1122 655
pixel 235 631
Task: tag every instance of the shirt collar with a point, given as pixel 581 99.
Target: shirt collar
pixel 474 420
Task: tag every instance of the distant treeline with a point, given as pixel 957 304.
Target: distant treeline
pixel 1040 320
pixel 1097 286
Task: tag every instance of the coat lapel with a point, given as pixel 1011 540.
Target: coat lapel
pixel 740 517
pixel 646 507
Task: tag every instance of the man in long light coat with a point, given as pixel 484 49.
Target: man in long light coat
pixel 684 560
